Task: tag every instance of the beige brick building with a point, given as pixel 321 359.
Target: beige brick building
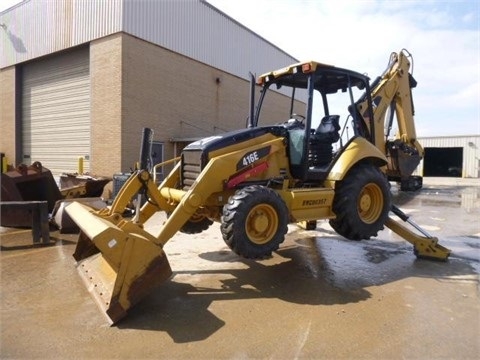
pixel 81 79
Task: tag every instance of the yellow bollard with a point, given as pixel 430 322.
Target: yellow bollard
pixel 80 165
pixel 4 165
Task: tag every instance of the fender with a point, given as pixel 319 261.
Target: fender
pixel 358 149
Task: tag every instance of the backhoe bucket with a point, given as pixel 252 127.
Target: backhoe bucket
pixel 119 268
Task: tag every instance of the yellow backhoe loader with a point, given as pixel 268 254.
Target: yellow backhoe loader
pixel 297 168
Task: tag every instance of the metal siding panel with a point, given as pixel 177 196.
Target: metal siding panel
pixel 37 28
pixel 56 111
pixel 193 28
pixel 199 31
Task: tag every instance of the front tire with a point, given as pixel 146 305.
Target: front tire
pixel 254 222
pixel 361 203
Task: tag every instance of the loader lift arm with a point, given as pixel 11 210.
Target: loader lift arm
pixel 120 261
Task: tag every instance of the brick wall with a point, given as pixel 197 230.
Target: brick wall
pixel 106 104
pixel 7 114
pixel 177 97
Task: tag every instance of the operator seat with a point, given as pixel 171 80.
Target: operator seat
pixel 327 133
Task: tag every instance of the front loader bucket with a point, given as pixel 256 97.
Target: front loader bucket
pixel 119 268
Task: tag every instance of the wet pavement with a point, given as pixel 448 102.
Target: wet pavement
pixel 318 297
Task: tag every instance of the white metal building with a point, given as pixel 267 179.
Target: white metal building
pixel 452 156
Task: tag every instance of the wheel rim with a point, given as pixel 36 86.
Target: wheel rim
pixel 262 223
pixel 370 203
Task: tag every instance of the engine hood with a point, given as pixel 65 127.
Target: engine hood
pixel 212 143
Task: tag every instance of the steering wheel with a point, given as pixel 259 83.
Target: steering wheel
pixel 298 117
pixel 296 121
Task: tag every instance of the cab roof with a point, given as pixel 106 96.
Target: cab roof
pixel 328 78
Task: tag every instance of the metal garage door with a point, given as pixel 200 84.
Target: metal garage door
pixel 443 162
pixel 56 111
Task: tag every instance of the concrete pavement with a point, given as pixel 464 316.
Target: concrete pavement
pixel 319 297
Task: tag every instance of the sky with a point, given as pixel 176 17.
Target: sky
pixel 5 4
pixel 442 35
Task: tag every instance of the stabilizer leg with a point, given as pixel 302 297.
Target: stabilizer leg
pixel 426 246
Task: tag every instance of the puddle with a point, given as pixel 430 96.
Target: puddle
pixel 467 198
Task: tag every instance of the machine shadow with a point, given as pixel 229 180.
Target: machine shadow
pixel 305 275
pixel 182 309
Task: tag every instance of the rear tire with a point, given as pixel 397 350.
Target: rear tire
pixel 196 224
pixel 254 222
pixel 362 202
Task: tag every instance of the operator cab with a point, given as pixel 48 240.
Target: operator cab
pixel 317 101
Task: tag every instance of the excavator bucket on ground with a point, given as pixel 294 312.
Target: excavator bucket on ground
pixel 119 267
pixel 30 183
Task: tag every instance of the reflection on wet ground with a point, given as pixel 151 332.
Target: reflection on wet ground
pixel 447 210
pixel 353 265
pixel 467 198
